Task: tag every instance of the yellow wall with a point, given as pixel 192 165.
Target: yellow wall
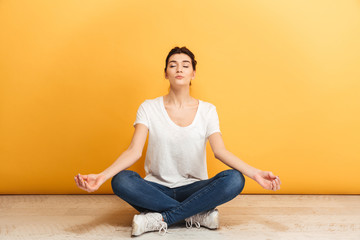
pixel 284 75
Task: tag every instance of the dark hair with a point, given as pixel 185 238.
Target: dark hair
pixel 178 50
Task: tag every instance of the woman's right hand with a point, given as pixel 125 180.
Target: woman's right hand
pixel 89 183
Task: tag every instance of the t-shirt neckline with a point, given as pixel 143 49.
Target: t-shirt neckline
pixel 171 121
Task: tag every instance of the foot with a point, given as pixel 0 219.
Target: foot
pixel 148 222
pixel 208 219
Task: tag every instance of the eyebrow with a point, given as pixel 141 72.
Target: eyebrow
pixel 182 61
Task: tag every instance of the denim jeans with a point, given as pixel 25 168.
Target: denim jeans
pixel 176 204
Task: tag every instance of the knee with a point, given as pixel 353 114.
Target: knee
pixel 235 182
pixel 120 181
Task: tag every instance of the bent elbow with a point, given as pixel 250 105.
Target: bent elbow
pixel 137 155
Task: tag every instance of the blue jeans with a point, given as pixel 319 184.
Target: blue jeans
pixel 176 204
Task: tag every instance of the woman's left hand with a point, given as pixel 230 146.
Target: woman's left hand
pixel 268 180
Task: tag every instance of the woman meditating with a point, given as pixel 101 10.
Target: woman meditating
pixel 176 186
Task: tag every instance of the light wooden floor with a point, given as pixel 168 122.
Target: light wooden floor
pixel 263 217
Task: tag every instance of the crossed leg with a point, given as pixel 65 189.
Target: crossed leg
pixel 176 204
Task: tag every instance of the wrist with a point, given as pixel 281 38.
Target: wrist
pixel 255 172
pixel 105 175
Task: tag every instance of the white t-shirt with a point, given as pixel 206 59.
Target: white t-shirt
pixel 176 156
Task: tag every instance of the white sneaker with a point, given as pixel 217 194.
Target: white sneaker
pixel 208 219
pixel 148 222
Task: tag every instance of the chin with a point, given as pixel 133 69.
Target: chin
pixel 182 82
pixel 182 85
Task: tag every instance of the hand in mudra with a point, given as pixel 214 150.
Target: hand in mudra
pixel 268 180
pixel 89 183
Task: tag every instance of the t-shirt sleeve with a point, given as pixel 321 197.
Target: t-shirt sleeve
pixel 213 123
pixel 141 116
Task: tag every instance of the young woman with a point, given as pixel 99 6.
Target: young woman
pixel 176 186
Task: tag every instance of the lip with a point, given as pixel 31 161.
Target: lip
pixel 179 77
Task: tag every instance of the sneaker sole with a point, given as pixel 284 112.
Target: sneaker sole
pixel 135 228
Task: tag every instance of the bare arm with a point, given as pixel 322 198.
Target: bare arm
pixel 266 179
pixel 92 182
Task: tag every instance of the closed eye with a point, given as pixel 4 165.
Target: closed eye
pixel 171 66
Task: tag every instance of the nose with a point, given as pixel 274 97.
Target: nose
pixel 179 68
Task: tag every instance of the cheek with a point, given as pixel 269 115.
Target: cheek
pixel 168 72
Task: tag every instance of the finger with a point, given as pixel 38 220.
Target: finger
pixel 271 186
pixel 85 187
pixel 266 184
pixel 89 189
pixel 81 179
pixel 278 178
pixel 277 184
pixel 274 185
pixel 78 179
pixel 85 177
pixel 271 175
pixel 78 183
pixel 81 187
pixel 81 182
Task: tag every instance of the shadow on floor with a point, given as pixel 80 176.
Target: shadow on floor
pixel 119 218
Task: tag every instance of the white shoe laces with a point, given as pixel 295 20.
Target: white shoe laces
pixel 197 219
pixel 190 221
pixel 156 224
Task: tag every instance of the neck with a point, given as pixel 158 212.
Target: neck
pixel 178 97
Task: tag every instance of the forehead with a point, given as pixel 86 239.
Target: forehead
pixel 179 57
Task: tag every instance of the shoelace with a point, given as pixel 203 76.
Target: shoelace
pixel 163 229
pixel 189 223
pixel 197 219
pixel 157 224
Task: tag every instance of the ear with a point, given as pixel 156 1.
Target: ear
pixel 166 76
pixel 194 72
